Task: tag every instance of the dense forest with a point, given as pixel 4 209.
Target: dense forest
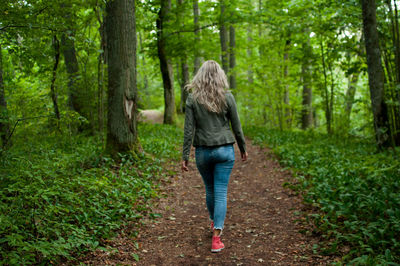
pixel 318 81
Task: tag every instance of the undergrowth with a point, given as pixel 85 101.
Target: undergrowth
pixel 60 196
pixel 355 189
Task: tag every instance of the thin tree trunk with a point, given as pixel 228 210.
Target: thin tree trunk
pixel 260 33
pixel 286 82
pixel 165 65
pixel 196 15
pixel 396 41
pixel 184 68
pixel 375 74
pixel 350 93
pixel 332 99
pixel 232 58
pixel 4 122
pixel 388 78
pixel 56 46
pixel 122 91
pixel 250 72
pixel 396 96
pixel 101 60
pixel 306 112
pixel 326 94
pixel 183 83
pixel 223 36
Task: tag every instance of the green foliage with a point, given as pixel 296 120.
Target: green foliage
pixel 355 189
pixel 161 140
pixel 60 195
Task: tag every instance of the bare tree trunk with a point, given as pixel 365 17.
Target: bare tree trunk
pixel 122 91
pixel 326 94
pixel 101 60
pixel 223 36
pixel 395 95
pixel 4 122
pixel 261 48
pixel 196 15
pixel 350 93
pixel 375 74
pixel 184 81
pixel 232 58
pixel 56 46
pixel 71 63
pixel 286 81
pixel 165 65
pixel 250 72
pixel 184 67
pixel 306 112
pixel 332 99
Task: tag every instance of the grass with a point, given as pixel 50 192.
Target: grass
pixel 61 195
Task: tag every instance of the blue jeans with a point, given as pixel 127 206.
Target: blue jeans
pixel 215 166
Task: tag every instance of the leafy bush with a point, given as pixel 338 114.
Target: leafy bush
pixel 355 188
pixel 60 195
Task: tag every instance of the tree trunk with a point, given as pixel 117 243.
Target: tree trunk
pixel 71 63
pixel 350 93
pixel 375 74
pixel 332 99
pixel 223 36
pixel 4 122
pixel 184 68
pixel 286 81
pixel 232 58
pixel 395 94
pixel 326 94
pixel 196 15
pixel 56 46
pixel 306 112
pixel 165 65
pixel 250 72
pixel 101 60
pixel 261 48
pixel 183 82
pixel 396 97
pixel 122 91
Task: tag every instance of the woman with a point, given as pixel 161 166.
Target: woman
pixel 209 109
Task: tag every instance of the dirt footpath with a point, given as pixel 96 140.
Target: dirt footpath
pixel 260 225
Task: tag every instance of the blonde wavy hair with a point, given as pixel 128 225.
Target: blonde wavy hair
pixel 209 86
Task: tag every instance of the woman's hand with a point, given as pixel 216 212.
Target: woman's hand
pixel 184 166
pixel 244 155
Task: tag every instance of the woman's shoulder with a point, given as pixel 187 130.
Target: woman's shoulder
pixel 229 96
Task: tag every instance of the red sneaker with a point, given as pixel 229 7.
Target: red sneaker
pixel 212 226
pixel 217 245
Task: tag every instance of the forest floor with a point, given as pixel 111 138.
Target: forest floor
pixel 262 225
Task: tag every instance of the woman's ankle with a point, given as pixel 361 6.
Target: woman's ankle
pixel 217 232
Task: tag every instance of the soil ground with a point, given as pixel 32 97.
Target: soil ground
pixel 262 225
